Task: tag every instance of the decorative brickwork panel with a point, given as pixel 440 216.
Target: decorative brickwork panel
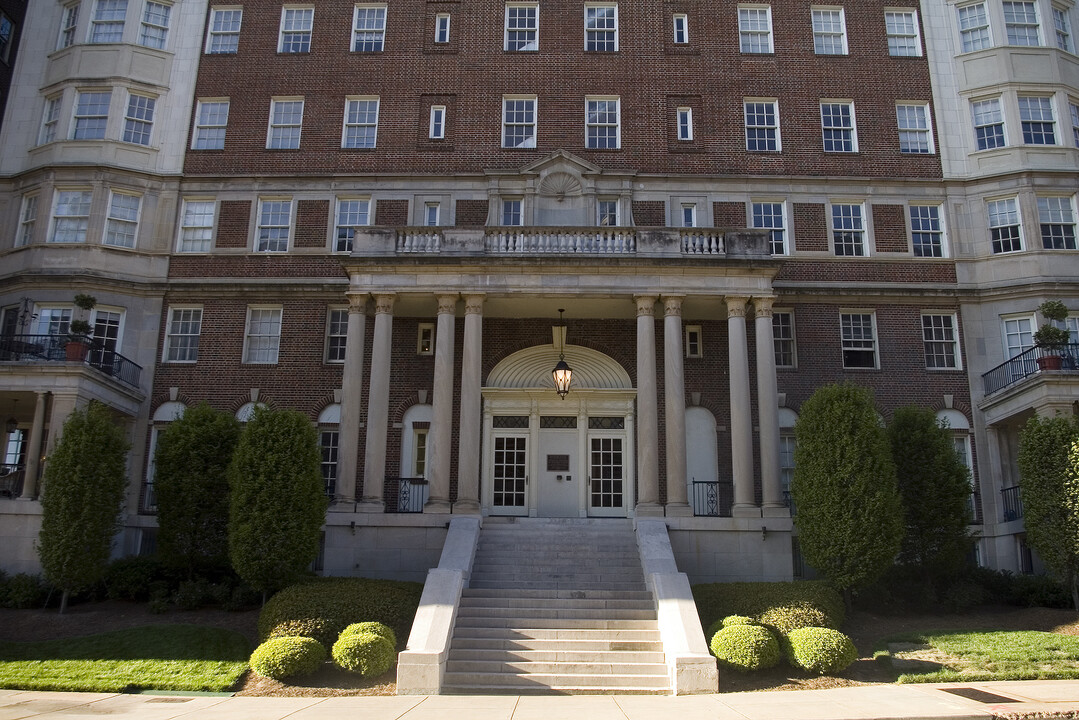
pixel 471 213
pixel 256 266
pixel 890 228
pixel 696 127
pixel 311 216
pixel 729 214
pixel 649 212
pixel 232 218
pixel 810 227
pixel 864 271
pixel 391 212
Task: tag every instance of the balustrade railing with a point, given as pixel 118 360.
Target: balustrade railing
pixel 702 241
pixel 61 348
pixel 712 499
pixel 1011 504
pixel 419 240
pixel 11 480
pixel 1029 362
pixel 405 495
pixel 554 240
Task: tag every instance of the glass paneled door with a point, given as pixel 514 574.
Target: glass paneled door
pixel 509 478
pixel 606 465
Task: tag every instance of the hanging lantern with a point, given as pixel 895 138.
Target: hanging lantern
pixel 562 373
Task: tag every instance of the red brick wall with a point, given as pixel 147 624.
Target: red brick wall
pixel 890 228
pixel 311 219
pixel 471 213
pixel 232 219
pixel 810 227
pixel 255 266
pixel 867 271
pixel 391 212
pixel 729 214
pixel 647 212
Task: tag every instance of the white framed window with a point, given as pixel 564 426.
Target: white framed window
pixel 787 445
pixel 762 125
pixel 858 333
pixel 783 338
pixel 829 31
pixel 419 451
pixel 1073 109
pixel 518 121
pixel 436 130
pixel 901 26
pixel 511 212
pixel 107 325
pixel 1036 120
pixel 262 339
pixel 848 229
pixel 837 126
pixel 369 28
pixel 328 441
pixel 69 21
pixel 1005 228
pixel 755 29
pixel 1062 30
pixel 681 29
pixel 602 123
pixel 688 215
pixel 431 213
pixel 940 342
pixel 601 27
pixel 361 122
pixel 154 30
pixel 53 320
pixel 91 114
pixel 988 123
pixel 275 225
pixel 196 226
pixel 182 336
pixel 211 121
pixel 286 123
pixel 27 220
pixel 694 344
pixel 685 123
pixel 522 27
pixel 1017 333
pixel 974 27
pixel 336 334
pixel 122 223
pixel 771 216
pixel 352 214
pixel 926 231
pixel 295 35
pixel 107 24
pixel 1056 218
pixel 442 28
pixel 50 120
pixel 607 213
pixel 1021 23
pixel 425 339
pixel 139 119
pixel 70 216
pixel 223 37
pixel 915 135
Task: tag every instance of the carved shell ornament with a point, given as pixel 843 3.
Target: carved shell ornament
pixel 559 185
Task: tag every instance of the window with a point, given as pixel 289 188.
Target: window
pixel 155 25
pixel 336 335
pixel 927 234
pixel 50 118
pixel 361 123
pixel 275 222
pixel 783 338
pixel 263 338
pixel 68 23
pixel 1021 23
pixel 197 226
pixel 1062 29
pixel 351 215
pixel 425 339
pixel 914 133
pixel 755 29
pixel 685 123
pixel 973 27
pixel 211 120
pixel 518 122
pixel 182 337
pixel 296 29
pixel 693 341
pixel 1004 228
pixel 988 123
pixel 442 28
pixel 123 219
pixel 511 212
pixel 139 119
pixel 369 28
pixel 419 451
pixel 829 31
pixel 859 340
pixel 107 25
pixel 837 125
pixel 91 115
pixel 7 32
pixel 940 342
pixel 522 27
pixel 607 213
pixel 689 215
pixel 1036 119
pixel 1074 110
pixel 53 320
pixel 902 29
pixel 71 216
pixel 437 128
pixel 1057 218
pixel 224 35
pixel 681 29
pixel 602 123
pixel 848 230
pixel 762 125
pixel 328 443
pixel 430 214
pixel 286 123
pixel 769 216
pixel 1018 335
pixel 27 220
pixel 601 27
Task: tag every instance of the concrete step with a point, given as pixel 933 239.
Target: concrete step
pixel 556 585
pixel 554 633
pixel 555 645
pixel 470 601
pixel 553 613
pixel 560 623
pixel 510 655
pixel 554 668
pixel 557 681
pixel 553 594
pixel 500 555
pixel 543 574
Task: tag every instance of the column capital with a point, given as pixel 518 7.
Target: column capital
pixel 762 306
pixel 672 305
pixel 736 305
pixel 474 303
pixel 384 303
pixel 357 302
pixel 447 304
pixel 646 304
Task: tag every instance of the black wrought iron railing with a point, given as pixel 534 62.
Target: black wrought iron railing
pixel 789 501
pixel 405 495
pixel 1011 504
pixel 11 480
pixel 61 348
pixel 712 499
pixel 1029 362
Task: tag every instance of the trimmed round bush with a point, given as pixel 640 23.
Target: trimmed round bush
pixel 786 618
pixel 745 647
pixel 284 657
pixel 365 653
pixel 731 620
pixel 375 628
pixel 820 650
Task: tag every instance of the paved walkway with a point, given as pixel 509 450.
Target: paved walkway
pixel 917 702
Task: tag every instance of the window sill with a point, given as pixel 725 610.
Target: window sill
pixel 283 150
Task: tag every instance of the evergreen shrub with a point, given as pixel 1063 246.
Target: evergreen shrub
pixel 820 650
pixel 745 647
pixel 375 628
pixel 365 653
pixel 284 657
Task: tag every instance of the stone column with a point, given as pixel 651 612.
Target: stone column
pixel 438 440
pixel 674 397
pixel 348 448
pixel 378 400
pixel 33 448
pixel 768 409
pixel 471 421
pixel 741 414
pixel 647 410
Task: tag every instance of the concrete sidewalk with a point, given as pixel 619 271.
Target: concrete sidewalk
pixel 922 702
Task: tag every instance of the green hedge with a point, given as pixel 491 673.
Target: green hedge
pixel 375 628
pixel 322 608
pixel 820 650
pixel 718 600
pixel 365 653
pixel 283 657
pixel 745 647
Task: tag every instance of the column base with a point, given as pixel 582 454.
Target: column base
pixel 679 510
pixel 466 507
pixel 649 510
pixel 776 511
pixel 340 504
pixel 27 498
pixel 437 507
pixel 371 506
pixel 746 511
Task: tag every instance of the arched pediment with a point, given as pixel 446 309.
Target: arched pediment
pixel 531 368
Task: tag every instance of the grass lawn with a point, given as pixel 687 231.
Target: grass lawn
pixel 936 656
pixel 158 657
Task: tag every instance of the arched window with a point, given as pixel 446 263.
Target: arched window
pixel 329 422
pixel 165 414
pixel 702 461
pixel 787 419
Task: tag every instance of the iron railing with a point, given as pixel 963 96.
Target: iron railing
pixel 11 480
pixel 405 495
pixel 1030 362
pixel 61 348
pixel 712 499
pixel 1011 504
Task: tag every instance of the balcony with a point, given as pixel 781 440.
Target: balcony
pixel 1031 362
pixel 11 480
pixel 58 349
pixel 712 499
pixel 405 495
pixel 1011 504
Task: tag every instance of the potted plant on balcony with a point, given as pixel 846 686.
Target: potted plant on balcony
pixel 78 339
pixel 1050 337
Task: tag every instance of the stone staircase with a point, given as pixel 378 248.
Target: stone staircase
pixel 556 606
